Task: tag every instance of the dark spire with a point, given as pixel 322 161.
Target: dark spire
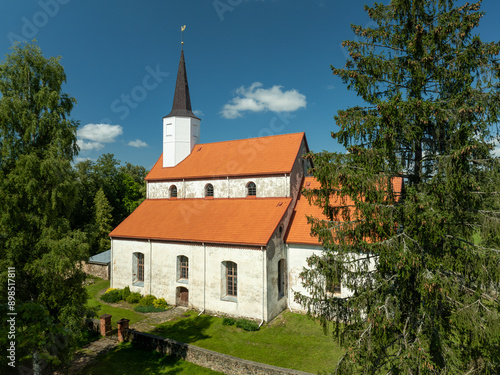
pixel 182 102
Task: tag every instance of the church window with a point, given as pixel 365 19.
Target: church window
pixel 173 191
pixel 251 189
pixel 229 281
pixel 138 269
pixel 333 287
pixel 209 190
pixel 281 278
pixel 182 267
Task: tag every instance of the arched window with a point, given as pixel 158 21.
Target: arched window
pixel 138 268
pixel 251 189
pixel 209 190
pixel 182 267
pixel 230 279
pixel 173 191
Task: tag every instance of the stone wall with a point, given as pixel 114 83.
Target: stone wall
pixel 206 358
pixel 99 270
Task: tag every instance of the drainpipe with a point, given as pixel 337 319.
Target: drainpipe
pixel 150 265
pixel 263 284
pixel 204 275
pixel 288 278
pixel 111 265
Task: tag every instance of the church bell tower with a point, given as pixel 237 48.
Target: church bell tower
pixel 181 128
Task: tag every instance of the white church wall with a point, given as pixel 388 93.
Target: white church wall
pixel 275 252
pixel 297 258
pixel 272 186
pixel 206 280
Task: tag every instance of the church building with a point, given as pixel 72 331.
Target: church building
pixel 223 227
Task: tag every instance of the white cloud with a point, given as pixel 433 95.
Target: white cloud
pixel 102 133
pixel 137 143
pixel 257 99
pixel 89 146
pixel 198 113
pixel 79 159
pixel 496 149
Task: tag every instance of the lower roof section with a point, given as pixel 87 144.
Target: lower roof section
pixel 242 221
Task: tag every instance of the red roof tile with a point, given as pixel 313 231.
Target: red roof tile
pixel 299 230
pixel 245 157
pixel 231 221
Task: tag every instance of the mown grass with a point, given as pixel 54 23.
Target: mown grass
pixel 117 312
pixel 291 340
pixel 128 359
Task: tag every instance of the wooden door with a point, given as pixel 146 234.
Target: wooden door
pixel 182 296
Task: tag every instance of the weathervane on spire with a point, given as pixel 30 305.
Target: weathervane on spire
pixel 182 31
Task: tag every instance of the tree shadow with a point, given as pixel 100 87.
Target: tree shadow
pixel 131 359
pixel 186 330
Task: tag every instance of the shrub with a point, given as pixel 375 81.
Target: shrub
pixel 147 300
pixel 125 292
pixel 112 296
pixel 134 297
pixel 160 303
pixel 228 321
pixel 148 309
pixel 247 325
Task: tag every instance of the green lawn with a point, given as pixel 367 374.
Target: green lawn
pixel 291 340
pixel 129 360
pixel 116 312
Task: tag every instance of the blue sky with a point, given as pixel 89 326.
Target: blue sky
pixel 255 67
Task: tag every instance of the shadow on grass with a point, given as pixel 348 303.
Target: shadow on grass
pixel 186 330
pixel 130 359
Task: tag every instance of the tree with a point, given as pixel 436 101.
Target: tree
pixel 425 294
pixel 37 187
pixel 103 220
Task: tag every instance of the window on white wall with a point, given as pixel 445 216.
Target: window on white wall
pixel 251 189
pixel 182 268
pixel 229 280
pixel 173 191
pixel 138 269
pixel 281 278
pixel 169 130
pixel 209 190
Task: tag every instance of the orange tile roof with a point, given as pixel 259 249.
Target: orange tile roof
pixel 245 157
pixel 299 230
pixel 231 221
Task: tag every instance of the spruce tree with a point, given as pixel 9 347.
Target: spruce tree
pixel 103 220
pixel 422 265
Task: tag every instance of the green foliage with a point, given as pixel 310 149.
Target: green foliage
pixel 37 190
pixel 426 297
pixel 228 321
pixel 247 325
pixel 149 309
pixel 103 220
pixel 134 297
pixel 112 296
pixel 147 300
pixel 107 194
pixel 160 303
pixel 125 292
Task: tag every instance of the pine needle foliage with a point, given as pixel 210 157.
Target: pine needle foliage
pixel 424 291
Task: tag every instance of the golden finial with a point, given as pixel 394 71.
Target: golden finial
pixel 182 30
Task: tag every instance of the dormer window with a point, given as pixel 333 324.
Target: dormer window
pixel 251 189
pixel 173 191
pixel 209 190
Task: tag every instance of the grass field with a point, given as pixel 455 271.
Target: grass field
pixel 291 340
pixel 126 359
pixel 116 312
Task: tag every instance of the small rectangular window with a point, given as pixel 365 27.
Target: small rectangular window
pixel 169 129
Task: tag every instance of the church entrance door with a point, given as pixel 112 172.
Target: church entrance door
pixel 182 296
